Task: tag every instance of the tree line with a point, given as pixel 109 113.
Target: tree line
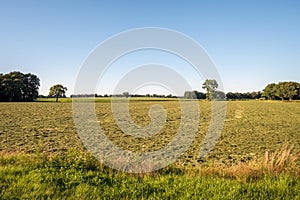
pixel 280 91
pixel 17 86
pixel 124 94
pixel 221 95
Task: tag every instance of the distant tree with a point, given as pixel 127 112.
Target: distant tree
pixel 288 90
pixel 186 94
pixel 255 95
pixel 280 91
pixel 283 91
pixel 13 86
pixel 247 95
pixel 57 91
pixel 16 86
pixel 270 91
pixel 190 95
pixel 210 86
pixel 200 95
pixel 218 95
pixel 194 95
pixel 126 94
pixel 293 90
pixel 230 95
pixel 31 86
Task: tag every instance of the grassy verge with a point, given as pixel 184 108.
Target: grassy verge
pixel 79 176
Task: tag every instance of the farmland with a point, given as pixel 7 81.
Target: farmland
pixel 29 131
pixel 250 128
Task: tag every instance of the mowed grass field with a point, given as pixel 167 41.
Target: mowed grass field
pixel 36 138
pixel 250 128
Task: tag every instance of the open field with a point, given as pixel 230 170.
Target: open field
pixel 251 128
pixel 45 130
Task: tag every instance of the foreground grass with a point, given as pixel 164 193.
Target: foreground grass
pixel 79 176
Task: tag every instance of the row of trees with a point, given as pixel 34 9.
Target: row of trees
pixel 221 95
pixel 194 95
pixel 124 94
pixel 247 95
pixel 282 91
pixel 211 92
pixel 16 86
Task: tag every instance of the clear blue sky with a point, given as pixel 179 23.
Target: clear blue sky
pixel 251 42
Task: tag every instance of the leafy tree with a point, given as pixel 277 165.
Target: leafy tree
pixel 283 90
pixel 293 90
pixel 230 95
pixel 31 86
pixel 57 91
pixel 200 95
pixel 13 84
pixel 248 95
pixel 218 95
pixel 270 91
pixel 210 86
pixel 16 86
pixel 126 94
pixel 255 95
pixel 189 95
pixel 288 90
pixel 194 95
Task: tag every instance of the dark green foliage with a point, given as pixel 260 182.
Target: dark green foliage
pixel 16 86
pixel 283 91
pixel 217 95
pixel 194 95
pixel 270 91
pixel 248 95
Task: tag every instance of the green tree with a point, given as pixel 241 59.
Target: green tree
pixel 271 91
pixel 126 94
pixel 31 87
pixel 288 90
pixel 210 86
pixel 283 90
pixel 16 86
pixel 218 95
pixel 13 84
pixel 57 91
pixel 189 95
